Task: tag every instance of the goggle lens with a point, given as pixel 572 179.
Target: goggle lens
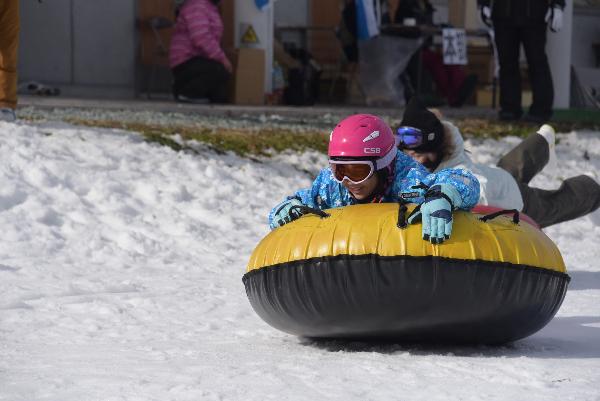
pixel 410 137
pixel 354 172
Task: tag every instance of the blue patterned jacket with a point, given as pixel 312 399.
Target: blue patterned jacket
pixel 326 193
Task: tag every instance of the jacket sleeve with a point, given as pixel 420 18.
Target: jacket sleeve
pixel 324 193
pixel 558 4
pixel 413 180
pixel 464 181
pixel 197 18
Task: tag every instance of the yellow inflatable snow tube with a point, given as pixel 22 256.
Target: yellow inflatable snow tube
pixel 357 274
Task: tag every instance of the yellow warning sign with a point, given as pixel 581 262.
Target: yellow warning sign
pixel 250 36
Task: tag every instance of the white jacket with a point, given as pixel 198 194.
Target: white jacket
pixel 498 187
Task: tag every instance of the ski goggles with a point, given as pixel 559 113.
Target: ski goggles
pixel 355 171
pixel 411 137
pixel 358 171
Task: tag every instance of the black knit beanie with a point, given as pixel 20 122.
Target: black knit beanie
pixel 416 115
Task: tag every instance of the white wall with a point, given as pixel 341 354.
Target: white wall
pixel 45 41
pixel 86 47
pixel 586 30
pixel 291 12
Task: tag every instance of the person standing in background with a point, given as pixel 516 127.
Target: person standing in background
pixel 9 44
pixel 200 68
pixel 517 22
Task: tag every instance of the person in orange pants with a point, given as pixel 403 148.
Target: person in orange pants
pixel 9 43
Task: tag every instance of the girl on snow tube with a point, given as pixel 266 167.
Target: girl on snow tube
pixel 356 274
pixel 366 167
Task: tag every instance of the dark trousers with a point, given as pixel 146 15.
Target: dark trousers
pixel 509 37
pixel 201 78
pixel 576 197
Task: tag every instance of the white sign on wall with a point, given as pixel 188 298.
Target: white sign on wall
pixel 455 46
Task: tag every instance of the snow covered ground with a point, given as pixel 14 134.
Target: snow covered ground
pixel 120 279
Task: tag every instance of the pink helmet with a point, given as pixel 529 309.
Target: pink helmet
pixel 363 136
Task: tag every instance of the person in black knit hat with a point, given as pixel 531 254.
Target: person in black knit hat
pixel 422 133
pixel 439 145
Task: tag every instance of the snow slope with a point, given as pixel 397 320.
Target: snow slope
pixel 120 279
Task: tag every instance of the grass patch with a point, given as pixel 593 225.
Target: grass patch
pixel 252 143
pixel 484 128
pixel 588 117
pixel 240 142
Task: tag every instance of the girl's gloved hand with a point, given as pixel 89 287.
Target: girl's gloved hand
pixel 436 212
pixel 287 211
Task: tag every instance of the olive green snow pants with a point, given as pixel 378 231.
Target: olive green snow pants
pixel 576 197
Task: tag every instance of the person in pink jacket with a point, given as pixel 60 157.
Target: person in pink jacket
pixel 200 67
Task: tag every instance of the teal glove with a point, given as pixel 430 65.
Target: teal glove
pixel 436 212
pixel 286 212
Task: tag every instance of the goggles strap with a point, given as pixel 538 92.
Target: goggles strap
pixel 387 159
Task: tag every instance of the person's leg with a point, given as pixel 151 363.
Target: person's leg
pixel 527 159
pixel 9 42
pixel 219 92
pixel 182 74
pixel 534 44
pixel 189 78
pixel 202 78
pixel 507 37
pixel 576 197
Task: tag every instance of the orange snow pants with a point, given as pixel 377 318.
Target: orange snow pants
pixel 9 43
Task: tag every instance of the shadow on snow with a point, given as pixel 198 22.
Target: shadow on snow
pixel 575 337
pixel 584 280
